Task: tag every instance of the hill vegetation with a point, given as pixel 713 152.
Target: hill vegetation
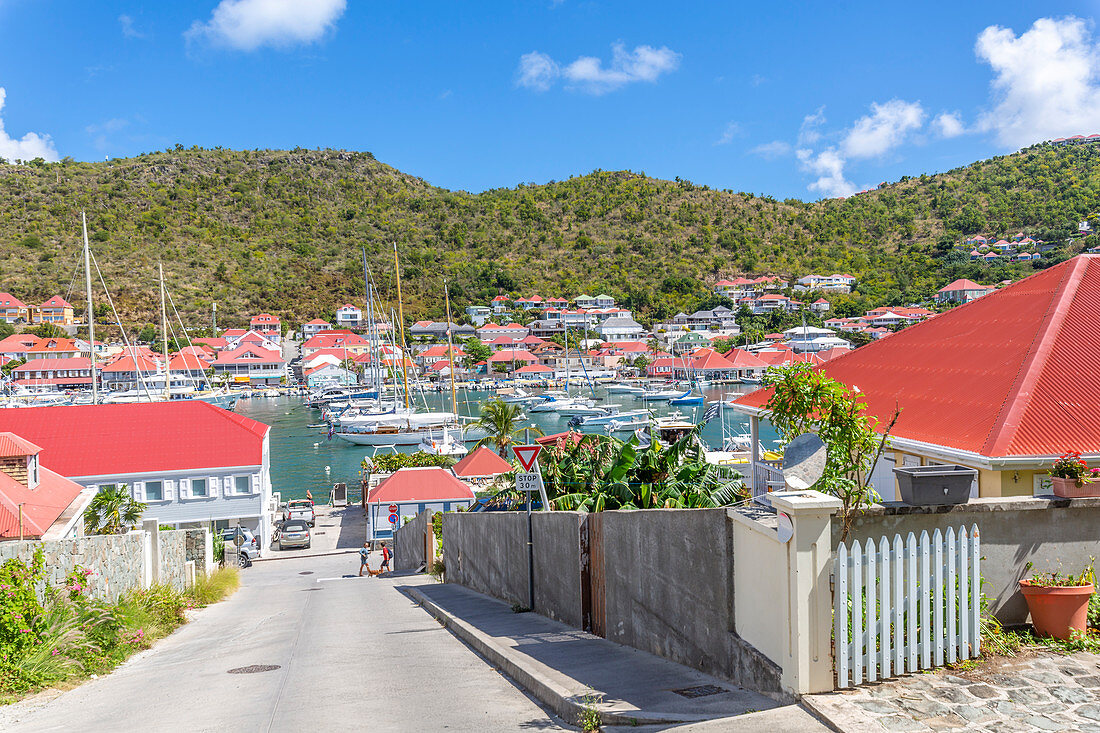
pixel 283 231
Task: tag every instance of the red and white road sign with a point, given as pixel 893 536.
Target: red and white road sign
pixel 527 455
pixel 393 509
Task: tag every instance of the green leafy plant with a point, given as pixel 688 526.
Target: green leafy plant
pixel 390 462
pixel 1071 466
pixel 806 401
pixel 1056 579
pixel 112 511
pixel 590 718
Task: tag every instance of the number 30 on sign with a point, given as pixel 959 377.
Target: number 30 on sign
pixel 527 481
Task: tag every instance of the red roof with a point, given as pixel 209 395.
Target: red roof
pixel 187 362
pixel 534 369
pixel 481 463
pixel 98 440
pixel 317 322
pixel 214 343
pixel 263 318
pixel 7 300
pixel 49 365
pixel 429 483
pixel 42 506
pixel 249 354
pixel 56 302
pixel 11 445
pixel 963 284
pixel 127 363
pixel 711 362
pixel 507 355
pixel 569 437
pixel 18 343
pixel 1013 373
pixel 741 359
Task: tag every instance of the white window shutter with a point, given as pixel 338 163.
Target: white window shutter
pixel 255 483
pixel 185 488
pixel 228 486
pixel 212 487
pixel 166 491
pixel 139 491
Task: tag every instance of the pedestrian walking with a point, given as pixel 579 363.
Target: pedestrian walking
pixel 364 553
pixel 385 557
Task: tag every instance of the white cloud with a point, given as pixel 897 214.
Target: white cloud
pixel 248 24
pixel 128 28
pixel 588 74
pixel 774 149
pixel 828 165
pixel 808 132
pixel 1045 81
pixel 884 129
pixel 536 71
pixel 30 146
pixel 948 124
pixel 732 130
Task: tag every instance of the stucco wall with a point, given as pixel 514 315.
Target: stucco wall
pixel 408 542
pixel 1051 533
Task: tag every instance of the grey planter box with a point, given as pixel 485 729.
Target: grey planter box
pixel 924 485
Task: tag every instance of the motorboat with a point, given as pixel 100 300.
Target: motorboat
pixel 580 409
pixel 559 404
pixel 625 420
pixel 629 389
pixel 661 395
pixel 448 446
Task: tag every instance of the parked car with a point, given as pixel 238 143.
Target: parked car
pixel 300 509
pixel 250 544
pixel 294 533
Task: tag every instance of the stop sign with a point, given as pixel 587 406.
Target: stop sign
pixel 393 509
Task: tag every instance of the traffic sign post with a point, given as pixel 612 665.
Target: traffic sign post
pixel 529 481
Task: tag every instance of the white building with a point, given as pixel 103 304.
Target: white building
pixel 830 283
pixel 191 463
pixel 348 316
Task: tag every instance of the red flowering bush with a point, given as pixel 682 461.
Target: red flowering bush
pixel 1070 465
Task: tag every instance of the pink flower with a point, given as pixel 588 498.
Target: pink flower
pixel 54 653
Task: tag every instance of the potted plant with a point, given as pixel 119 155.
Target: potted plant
pixel 1070 476
pixel 1059 604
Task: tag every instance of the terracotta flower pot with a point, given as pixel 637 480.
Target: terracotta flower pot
pixel 1057 610
pixel 1067 488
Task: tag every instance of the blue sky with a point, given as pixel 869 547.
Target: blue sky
pixel 779 99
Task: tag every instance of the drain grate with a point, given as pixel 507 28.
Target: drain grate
pixel 700 691
pixel 306 572
pixel 254 668
pixel 312 588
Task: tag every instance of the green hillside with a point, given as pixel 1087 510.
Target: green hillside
pixel 283 231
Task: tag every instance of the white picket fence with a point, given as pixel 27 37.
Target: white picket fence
pixel 900 607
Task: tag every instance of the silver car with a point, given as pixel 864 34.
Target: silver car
pixel 294 533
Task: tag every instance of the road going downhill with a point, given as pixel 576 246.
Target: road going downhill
pixel 354 654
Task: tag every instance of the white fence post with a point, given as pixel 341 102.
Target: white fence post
pixel 902 606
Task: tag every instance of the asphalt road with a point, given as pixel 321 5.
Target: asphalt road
pixel 353 654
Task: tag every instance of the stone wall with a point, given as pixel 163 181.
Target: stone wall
pixel 173 556
pixel 117 561
pixel 1051 533
pixel 199 549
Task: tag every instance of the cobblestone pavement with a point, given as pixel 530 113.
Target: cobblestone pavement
pixel 1041 692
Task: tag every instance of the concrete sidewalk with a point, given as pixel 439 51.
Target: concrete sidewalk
pixel 570 670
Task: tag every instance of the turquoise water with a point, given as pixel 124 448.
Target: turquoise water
pixel 303 458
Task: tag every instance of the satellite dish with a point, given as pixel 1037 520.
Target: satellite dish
pixel 804 461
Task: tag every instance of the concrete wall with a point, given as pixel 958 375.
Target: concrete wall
pixel 759 562
pixel 409 544
pixel 487 551
pixel 1051 533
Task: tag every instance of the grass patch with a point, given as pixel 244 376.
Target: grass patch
pixel 216 586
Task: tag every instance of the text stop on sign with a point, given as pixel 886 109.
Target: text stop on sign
pixel 527 481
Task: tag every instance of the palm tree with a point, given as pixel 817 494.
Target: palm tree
pixel 112 509
pixel 501 421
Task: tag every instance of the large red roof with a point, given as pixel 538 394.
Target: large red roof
pixel 97 440
pixel 425 484
pixel 481 463
pixel 1014 373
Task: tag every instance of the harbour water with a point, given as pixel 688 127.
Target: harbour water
pixel 305 458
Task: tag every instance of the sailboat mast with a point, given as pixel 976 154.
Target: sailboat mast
pixel 401 323
pixel 566 324
pixel 164 328
pixel 91 312
pixel 450 348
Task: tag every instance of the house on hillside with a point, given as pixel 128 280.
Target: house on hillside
pixel 192 463
pixel 1003 384
pixel 35 502
pixel 836 283
pixel 962 291
pixel 13 310
pixel 55 374
pixel 57 311
pixel 268 326
pixel 348 316
pixel 131 369
pixel 490 331
pixel 620 329
pixel 314 327
pixel 478 314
